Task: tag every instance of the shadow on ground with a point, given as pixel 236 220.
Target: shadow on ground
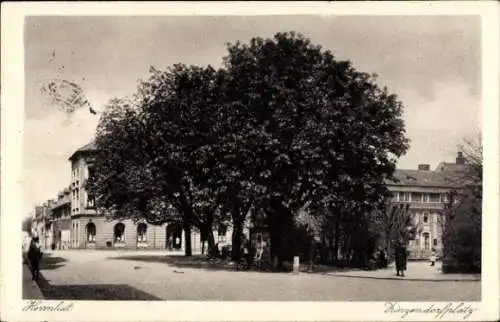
pixel 202 262
pixel 51 262
pixel 94 292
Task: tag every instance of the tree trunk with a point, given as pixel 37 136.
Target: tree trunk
pixel 237 233
pixel 208 231
pixel 336 234
pixel 187 238
pixel 211 243
pixel 331 249
pixel 279 222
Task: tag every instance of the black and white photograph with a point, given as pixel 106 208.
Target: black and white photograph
pixel 253 158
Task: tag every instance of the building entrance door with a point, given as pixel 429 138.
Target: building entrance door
pixel 174 236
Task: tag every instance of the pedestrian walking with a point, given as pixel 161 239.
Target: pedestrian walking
pixel 35 256
pixel 433 257
pixel 401 257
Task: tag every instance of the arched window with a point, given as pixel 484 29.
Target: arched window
pixel 119 232
pixel 91 232
pixel 142 230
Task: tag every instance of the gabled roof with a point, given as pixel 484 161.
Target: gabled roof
pixel 422 178
pixel 89 147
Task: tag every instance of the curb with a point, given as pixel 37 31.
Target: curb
pixel 416 279
pixel 31 289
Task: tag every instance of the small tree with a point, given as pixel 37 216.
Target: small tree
pixel 397 223
pixel 462 232
pixel 462 216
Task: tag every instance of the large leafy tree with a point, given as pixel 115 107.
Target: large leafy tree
pixel 315 127
pixel 122 183
pixel 155 154
pixel 283 127
pixel 179 110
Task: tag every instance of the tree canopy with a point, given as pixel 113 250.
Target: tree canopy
pixel 281 127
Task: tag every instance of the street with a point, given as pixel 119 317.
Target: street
pixel 108 275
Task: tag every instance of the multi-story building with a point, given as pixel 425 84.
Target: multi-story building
pixel 90 229
pixel 426 192
pixel 61 220
pixel 41 226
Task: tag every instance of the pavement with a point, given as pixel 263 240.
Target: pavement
pixel 31 290
pixel 416 271
pixel 152 276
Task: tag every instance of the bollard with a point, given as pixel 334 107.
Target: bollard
pixel 296 264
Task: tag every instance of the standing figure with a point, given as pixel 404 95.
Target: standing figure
pixel 170 242
pixel 400 256
pixel 433 257
pixel 35 256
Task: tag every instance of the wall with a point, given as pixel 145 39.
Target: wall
pixel 156 235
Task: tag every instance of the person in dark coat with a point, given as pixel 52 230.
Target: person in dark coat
pixel 400 257
pixel 35 256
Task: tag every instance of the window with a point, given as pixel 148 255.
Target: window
pixel 425 197
pixel 435 242
pixel 426 241
pixel 119 232
pixel 142 230
pixel 426 218
pixel 90 201
pixel 404 196
pixel 221 232
pixel 434 197
pixel 416 196
pixel 91 232
pixel 444 198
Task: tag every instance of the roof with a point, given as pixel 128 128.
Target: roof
pixel 89 147
pixel 450 167
pixel 422 178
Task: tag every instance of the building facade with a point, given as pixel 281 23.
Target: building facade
pixel 91 230
pixel 61 220
pixel 426 192
pixel 41 225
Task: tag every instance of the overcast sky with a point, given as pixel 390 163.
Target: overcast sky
pixel 431 63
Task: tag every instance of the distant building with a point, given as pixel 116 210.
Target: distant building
pixel 61 220
pixel 426 191
pixel 92 230
pixel 41 226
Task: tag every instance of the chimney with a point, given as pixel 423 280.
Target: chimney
pixel 424 167
pixel 460 158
